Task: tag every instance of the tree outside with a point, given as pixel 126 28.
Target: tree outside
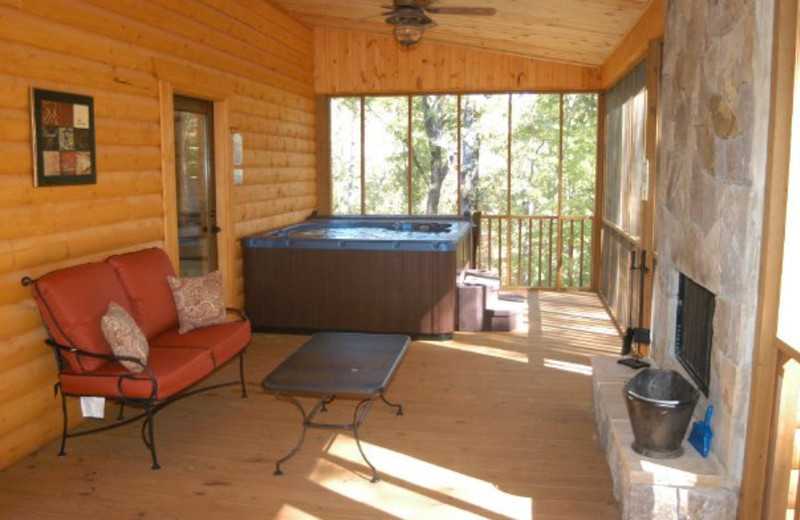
pixel 434 134
pixel 345 142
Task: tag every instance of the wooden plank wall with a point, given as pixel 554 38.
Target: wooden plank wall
pixel 349 62
pixel 248 53
pixel 635 46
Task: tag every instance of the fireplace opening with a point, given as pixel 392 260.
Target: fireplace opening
pixel 694 330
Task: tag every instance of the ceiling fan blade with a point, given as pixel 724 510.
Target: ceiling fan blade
pixel 480 11
pixel 399 19
pixel 409 3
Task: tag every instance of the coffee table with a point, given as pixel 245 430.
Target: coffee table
pixel 338 364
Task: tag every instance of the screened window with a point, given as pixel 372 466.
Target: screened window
pixel 625 184
pixel 434 133
pixel 386 157
pixel 526 161
pixel 535 126
pixel 579 154
pixel 345 142
pixel 625 152
pixel 502 154
pixel 484 152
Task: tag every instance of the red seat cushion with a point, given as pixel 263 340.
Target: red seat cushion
pixel 72 301
pixel 144 276
pixel 224 341
pixel 174 368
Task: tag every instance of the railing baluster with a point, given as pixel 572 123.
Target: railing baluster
pixel 550 254
pixel 529 278
pixel 519 252
pixel 509 246
pixel 583 234
pixel 500 248
pixel 481 243
pixel 571 251
pixel 488 264
pixel 541 251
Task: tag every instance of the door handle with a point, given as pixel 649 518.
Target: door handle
pixel 213 229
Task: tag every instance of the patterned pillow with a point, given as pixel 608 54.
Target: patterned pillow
pixel 199 300
pixel 124 336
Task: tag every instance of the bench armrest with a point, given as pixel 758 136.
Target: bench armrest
pixel 239 313
pixel 78 353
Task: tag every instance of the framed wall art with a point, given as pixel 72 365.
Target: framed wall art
pixel 63 139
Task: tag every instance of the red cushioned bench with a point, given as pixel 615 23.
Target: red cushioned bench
pixel 72 302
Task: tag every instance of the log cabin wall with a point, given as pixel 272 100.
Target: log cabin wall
pixel 250 56
pixel 350 62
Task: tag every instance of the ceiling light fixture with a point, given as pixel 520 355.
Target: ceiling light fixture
pixel 409 17
pixel 408 35
pixel 409 23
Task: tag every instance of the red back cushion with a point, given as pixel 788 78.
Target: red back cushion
pixel 144 276
pixel 72 301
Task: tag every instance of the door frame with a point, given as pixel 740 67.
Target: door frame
pixel 647 240
pixel 763 421
pixel 223 174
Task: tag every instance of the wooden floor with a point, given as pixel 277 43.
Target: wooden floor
pixel 496 425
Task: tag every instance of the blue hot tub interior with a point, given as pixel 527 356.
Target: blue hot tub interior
pixel 440 234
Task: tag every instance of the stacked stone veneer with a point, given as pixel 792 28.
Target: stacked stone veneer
pixel 713 116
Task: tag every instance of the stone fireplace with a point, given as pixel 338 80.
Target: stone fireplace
pixel 714 99
pixel 714 96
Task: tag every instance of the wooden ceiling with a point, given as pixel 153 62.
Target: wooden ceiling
pixel 583 32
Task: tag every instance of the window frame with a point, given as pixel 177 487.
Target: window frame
pixel 325 169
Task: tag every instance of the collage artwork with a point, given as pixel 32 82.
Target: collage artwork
pixel 65 144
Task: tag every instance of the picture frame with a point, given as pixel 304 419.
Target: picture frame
pixel 63 138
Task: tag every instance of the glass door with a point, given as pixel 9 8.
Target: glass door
pixel 194 174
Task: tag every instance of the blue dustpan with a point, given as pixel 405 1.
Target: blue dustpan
pixel 701 434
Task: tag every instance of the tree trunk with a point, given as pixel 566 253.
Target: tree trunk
pixel 470 173
pixel 435 126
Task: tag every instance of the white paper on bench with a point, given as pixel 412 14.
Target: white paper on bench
pixel 93 407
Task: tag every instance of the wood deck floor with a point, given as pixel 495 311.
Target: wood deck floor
pixel 496 425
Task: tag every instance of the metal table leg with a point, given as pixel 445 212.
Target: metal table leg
pixel 359 415
pixel 297 446
pixel 398 406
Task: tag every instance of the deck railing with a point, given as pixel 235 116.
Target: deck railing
pixel 533 251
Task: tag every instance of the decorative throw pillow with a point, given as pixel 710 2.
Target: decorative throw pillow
pixel 199 300
pixel 124 336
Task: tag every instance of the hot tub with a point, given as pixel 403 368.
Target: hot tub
pixel 369 274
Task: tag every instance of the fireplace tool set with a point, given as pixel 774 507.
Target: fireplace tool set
pixel 639 334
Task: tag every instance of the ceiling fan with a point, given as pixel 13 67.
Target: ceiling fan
pixel 410 18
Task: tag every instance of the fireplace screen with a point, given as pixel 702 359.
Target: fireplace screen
pixel 694 330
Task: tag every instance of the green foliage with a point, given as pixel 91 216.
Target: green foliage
pixel 484 131
pixel 386 156
pixel 534 154
pixel 345 142
pixel 434 133
pixel 580 154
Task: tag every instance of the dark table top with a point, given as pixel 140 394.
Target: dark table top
pixel 340 363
